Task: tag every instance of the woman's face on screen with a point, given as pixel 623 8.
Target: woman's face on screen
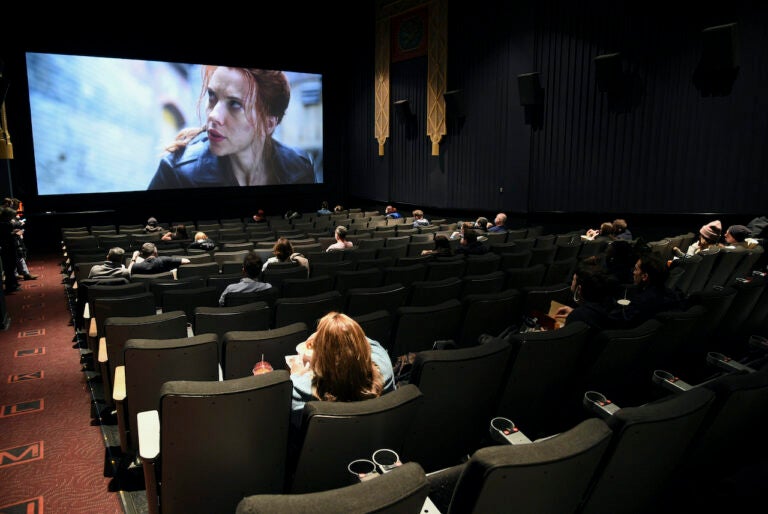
pixel 230 130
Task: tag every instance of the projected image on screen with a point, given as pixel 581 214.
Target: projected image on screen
pixel 104 125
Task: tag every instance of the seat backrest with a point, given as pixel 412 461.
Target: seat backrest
pixel 204 269
pixel 105 307
pixel 614 361
pixel 689 264
pixel 220 320
pixel 119 329
pixel 405 275
pixel 377 325
pixel 440 270
pixel 461 389
pixel 724 267
pixel 656 434
pixel 483 283
pixel 490 481
pixel 488 313
pixel 482 264
pixel 432 292
pixel 543 378
pixel 333 434
pixel 158 287
pixel 417 328
pixel 348 279
pixel 308 309
pixel 269 295
pixel 188 299
pixel 241 349
pixel 363 300
pixel 401 490
pixel 539 298
pixel 529 276
pixel 703 270
pixel 150 362
pixel 293 287
pixel 221 441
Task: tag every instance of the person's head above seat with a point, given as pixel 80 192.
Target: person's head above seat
pixel 116 255
pixel 148 250
pixel 737 234
pixel 252 264
pixel 711 232
pixel 341 361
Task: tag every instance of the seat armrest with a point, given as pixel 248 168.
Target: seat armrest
pixel 93 329
pixel 670 382
pixel 118 395
pixel 149 434
pixel 597 403
pixel 148 426
pixel 118 387
pixel 504 431
pixel 103 352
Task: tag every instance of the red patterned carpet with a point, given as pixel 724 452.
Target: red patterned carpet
pixel 52 454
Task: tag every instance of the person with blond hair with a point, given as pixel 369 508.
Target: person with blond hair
pixel 340 364
pixel 419 220
pixel 341 240
pixel 202 242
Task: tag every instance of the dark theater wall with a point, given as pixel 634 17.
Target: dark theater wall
pixel 653 142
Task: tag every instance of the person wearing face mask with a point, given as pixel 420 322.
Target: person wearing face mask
pixel 236 147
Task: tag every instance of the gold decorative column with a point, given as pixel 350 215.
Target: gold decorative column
pixel 382 82
pixel 437 60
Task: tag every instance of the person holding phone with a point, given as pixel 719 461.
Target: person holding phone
pixel 235 147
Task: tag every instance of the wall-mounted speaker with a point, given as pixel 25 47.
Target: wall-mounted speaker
pixel 719 64
pixel 608 72
pixel 455 105
pixel 403 110
pixel 529 86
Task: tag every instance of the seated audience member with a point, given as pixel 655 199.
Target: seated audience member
pixel 758 227
pixel 470 245
pixel 153 226
pixel 419 220
pixel 462 226
pixel 177 233
pixel 620 230
pixel 292 214
pixel 341 240
pixel 391 212
pixel 499 223
pixel 442 247
pixel 250 282
pixel 343 365
pixel 481 224
pixel 260 217
pixel 113 266
pixel 283 252
pixel 147 262
pixel 649 296
pixel 737 237
pixel 323 210
pixel 339 209
pixel 202 242
pixel 709 237
pixel 592 290
pixel 604 233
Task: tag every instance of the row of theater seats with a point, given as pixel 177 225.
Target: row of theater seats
pixel 436 420
pixel 543 375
